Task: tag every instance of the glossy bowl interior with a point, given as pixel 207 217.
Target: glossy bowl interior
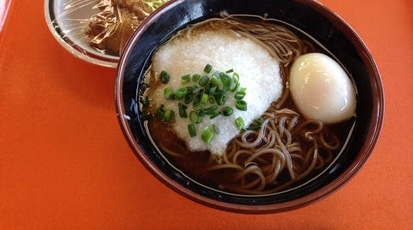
pixel 305 15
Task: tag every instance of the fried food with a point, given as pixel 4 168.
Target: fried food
pixel 110 29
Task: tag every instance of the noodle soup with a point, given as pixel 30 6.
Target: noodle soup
pixel 279 146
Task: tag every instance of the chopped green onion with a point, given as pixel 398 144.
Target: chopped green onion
pixel 192 130
pixel 200 119
pixel 180 93
pixel 259 121
pixel 241 105
pixel 256 125
pixel 207 88
pixel 227 111
pixel 197 100
pixel 190 88
pixel 168 92
pixel 164 76
pixel 212 90
pixel 214 115
pixel 196 90
pixel 227 81
pixel 239 123
pixel 236 76
pixel 201 113
pixel 207 135
pixel 215 81
pixel 186 78
pixel 188 98
pixel 160 112
pixel 196 77
pixel 236 86
pixel 215 128
pixel 182 110
pixel 221 97
pixel 204 98
pixel 207 68
pixel 239 95
pixel 203 81
pixel 193 116
pixel 210 110
pixel 169 115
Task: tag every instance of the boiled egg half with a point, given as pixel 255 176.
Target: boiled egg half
pixel 321 89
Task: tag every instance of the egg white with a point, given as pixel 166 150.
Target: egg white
pixel 321 89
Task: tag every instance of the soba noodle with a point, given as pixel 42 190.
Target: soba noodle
pixel 263 154
pixel 287 147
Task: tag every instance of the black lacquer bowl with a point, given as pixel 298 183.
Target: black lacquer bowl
pixel 307 16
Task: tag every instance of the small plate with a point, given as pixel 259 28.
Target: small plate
pixel 68 22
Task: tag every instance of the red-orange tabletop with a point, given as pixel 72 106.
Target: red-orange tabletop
pixel 64 163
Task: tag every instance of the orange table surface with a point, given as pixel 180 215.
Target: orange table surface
pixel 64 163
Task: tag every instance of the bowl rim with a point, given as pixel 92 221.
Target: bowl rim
pixel 373 134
